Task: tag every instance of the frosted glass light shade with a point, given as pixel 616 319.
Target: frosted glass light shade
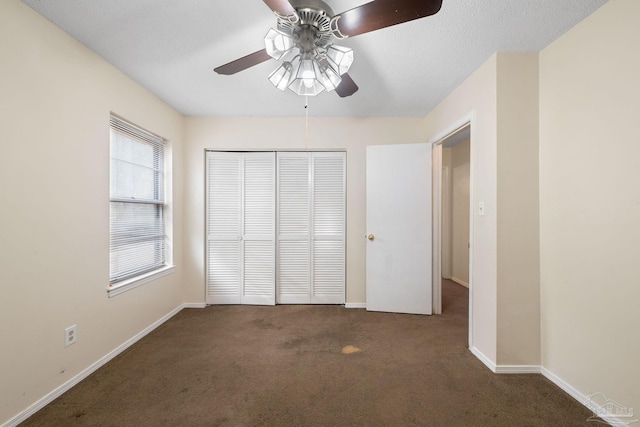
pixel 282 75
pixel 306 78
pixel 277 44
pixel 340 58
pixel 329 78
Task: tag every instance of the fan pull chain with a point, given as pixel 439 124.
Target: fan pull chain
pixel 306 123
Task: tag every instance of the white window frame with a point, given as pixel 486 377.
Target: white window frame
pixel 126 128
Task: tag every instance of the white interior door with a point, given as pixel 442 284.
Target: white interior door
pixel 399 229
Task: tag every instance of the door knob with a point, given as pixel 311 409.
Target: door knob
pixel 371 237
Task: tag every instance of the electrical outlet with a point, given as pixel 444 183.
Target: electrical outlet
pixel 70 335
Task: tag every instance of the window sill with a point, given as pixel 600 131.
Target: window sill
pixel 129 284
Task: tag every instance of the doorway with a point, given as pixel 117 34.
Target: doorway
pixel 453 154
pixel 455 207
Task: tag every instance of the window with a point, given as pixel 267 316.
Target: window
pixel 137 229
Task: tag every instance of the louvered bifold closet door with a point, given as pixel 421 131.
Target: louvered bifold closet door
pixel 294 229
pixel 328 208
pixel 311 228
pixel 240 228
pixel 258 221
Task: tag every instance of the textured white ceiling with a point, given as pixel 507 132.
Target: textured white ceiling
pixel 171 47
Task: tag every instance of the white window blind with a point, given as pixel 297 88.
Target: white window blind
pixel 137 235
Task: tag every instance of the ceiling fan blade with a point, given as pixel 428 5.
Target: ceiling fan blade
pixel 281 7
pixel 384 13
pixel 347 86
pixel 243 63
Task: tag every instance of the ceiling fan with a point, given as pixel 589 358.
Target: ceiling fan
pixel 304 40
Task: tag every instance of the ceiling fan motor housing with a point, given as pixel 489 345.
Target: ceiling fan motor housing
pixel 312 29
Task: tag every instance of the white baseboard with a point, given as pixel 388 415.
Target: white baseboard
pixel 459 281
pixel 563 385
pixel 484 359
pixel 505 369
pixel 596 408
pixel 517 369
pixel 94 367
pixel 194 305
pixel 355 305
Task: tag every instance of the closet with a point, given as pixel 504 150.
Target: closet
pixel 276 227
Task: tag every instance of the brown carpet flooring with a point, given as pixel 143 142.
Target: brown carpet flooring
pixel 285 366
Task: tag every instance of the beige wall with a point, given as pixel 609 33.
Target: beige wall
pixel 502 98
pixel 518 210
pixel 460 168
pixel 350 134
pixel 477 96
pixel 55 99
pixel 590 204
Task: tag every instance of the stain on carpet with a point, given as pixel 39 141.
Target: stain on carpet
pixel 265 324
pixel 294 343
pixel 349 349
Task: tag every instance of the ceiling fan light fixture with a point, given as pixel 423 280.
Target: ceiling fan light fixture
pixel 329 78
pixel 277 44
pixel 310 27
pixel 319 64
pixel 340 58
pixel 281 76
pixel 306 76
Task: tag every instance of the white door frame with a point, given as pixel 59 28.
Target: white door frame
pixel 468 120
